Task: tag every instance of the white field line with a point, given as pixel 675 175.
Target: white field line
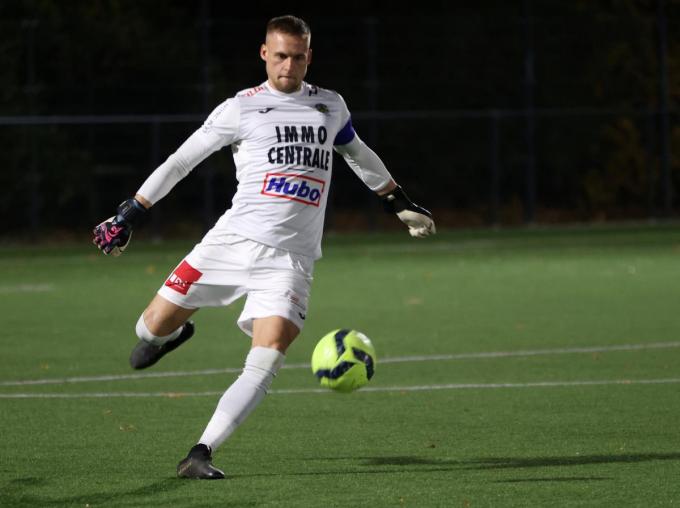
pixel 416 388
pixel 534 352
pixel 118 377
pixel 398 359
pixel 27 288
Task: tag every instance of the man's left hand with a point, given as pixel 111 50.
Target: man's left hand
pixel 418 219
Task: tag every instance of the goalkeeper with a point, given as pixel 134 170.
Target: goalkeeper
pixel 282 134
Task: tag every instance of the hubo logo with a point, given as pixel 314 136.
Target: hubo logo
pixel 303 189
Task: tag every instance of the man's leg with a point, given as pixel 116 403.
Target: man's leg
pixel 162 327
pixel 271 338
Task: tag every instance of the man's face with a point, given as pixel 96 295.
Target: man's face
pixel 287 57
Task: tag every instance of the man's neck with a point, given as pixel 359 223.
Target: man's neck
pixel 275 89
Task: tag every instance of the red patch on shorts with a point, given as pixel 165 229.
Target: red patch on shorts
pixel 183 277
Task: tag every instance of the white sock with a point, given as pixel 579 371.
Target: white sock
pixel 144 333
pixel 243 395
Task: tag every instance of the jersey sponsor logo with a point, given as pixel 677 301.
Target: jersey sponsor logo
pixel 322 108
pixel 252 91
pixel 296 154
pixel 183 277
pixel 303 189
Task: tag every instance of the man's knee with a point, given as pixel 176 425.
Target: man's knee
pixel 274 332
pixel 161 318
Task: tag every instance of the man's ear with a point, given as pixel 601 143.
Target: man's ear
pixel 263 52
pixel 309 56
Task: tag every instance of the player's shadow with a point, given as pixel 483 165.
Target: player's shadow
pixel 29 481
pixel 372 465
pixel 379 465
pixel 17 494
pixel 404 460
pixel 552 479
pixel 562 461
pixel 420 464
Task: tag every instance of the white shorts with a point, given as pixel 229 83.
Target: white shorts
pixel 277 282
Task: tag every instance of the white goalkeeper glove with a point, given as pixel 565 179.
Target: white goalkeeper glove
pixel 418 219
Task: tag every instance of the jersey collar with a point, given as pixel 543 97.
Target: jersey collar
pixel 274 91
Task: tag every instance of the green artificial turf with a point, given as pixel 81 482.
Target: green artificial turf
pixel 515 368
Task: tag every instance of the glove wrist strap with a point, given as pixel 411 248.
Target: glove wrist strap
pixel 396 200
pixel 130 212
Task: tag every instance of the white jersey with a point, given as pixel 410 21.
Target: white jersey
pixel 282 147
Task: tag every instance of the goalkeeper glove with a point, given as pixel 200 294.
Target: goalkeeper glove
pixel 113 235
pixel 418 220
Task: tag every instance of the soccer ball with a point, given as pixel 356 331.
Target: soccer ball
pixel 344 360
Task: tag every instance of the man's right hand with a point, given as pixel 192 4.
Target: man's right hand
pixel 113 235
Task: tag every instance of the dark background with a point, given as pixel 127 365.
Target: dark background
pixel 494 113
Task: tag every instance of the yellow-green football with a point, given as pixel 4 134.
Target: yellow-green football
pixel 344 360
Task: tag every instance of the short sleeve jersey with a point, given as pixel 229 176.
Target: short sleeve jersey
pixel 282 146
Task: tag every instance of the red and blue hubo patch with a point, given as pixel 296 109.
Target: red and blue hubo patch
pixel 303 189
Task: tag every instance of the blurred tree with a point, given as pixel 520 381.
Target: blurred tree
pixel 625 74
pixel 596 79
pixel 622 180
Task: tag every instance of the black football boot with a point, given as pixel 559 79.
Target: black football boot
pixel 146 354
pixel 197 465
